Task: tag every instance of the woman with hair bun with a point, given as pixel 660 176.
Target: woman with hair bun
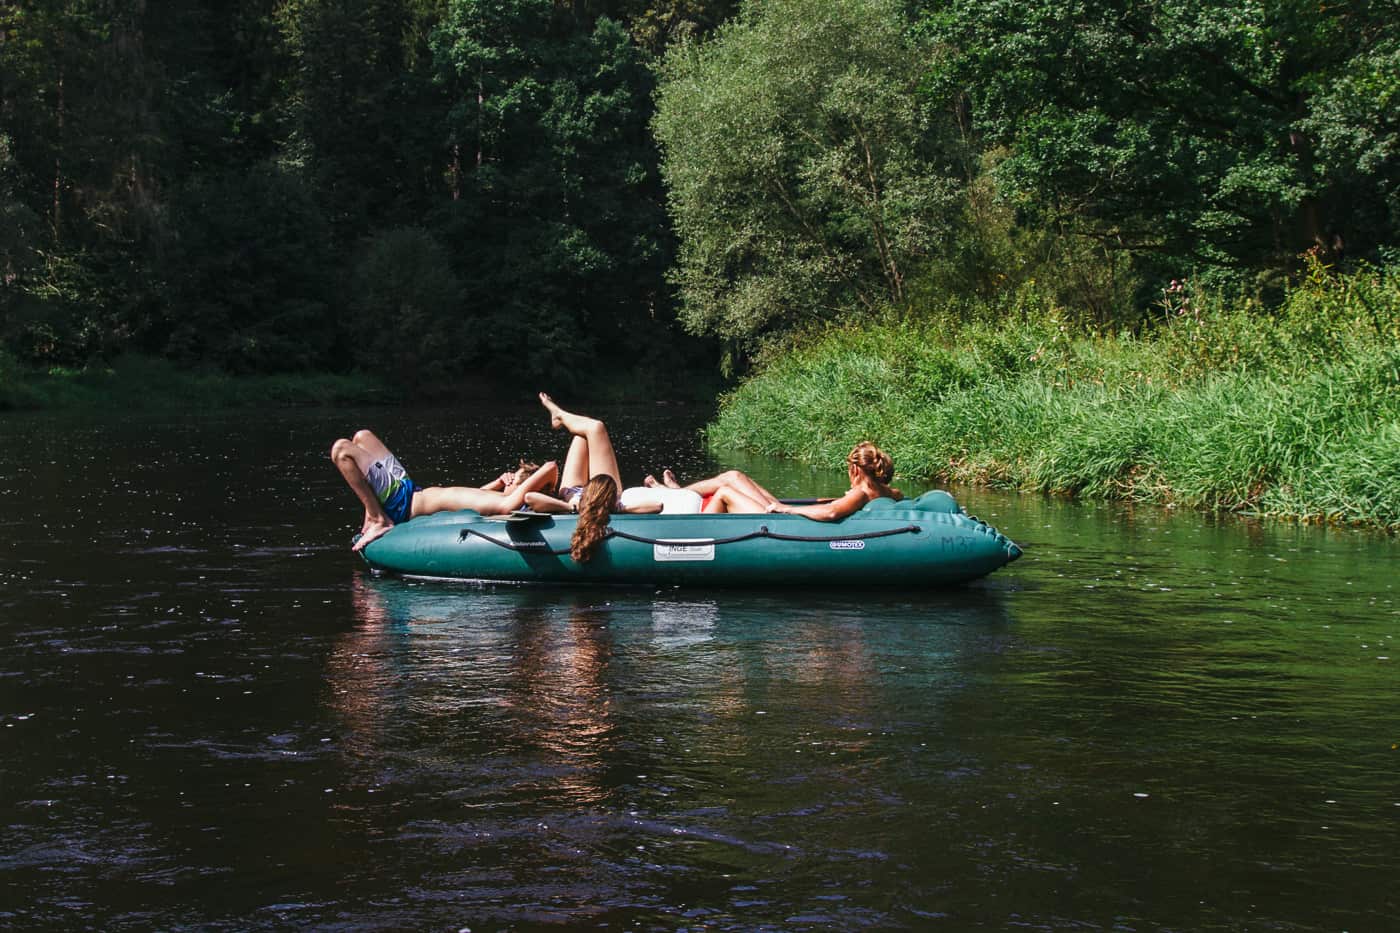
pixel 869 469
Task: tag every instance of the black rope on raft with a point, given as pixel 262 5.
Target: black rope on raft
pixel 542 547
pixel 763 532
pixel 539 546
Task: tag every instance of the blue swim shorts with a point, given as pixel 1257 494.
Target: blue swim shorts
pixel 393 488
pixel 399 505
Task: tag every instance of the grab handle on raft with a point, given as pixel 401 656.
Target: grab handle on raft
pixel 540 546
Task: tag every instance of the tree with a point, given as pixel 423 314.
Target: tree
pixel 806 178
pixel 75 104
pixel 406 322
pixel 1208 133
pixel 249 275
pixel 1354 121
pixel 19 226
pixel 657 24
pixel 556 216
pixel 364 113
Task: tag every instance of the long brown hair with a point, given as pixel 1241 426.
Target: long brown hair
pixel 595 507
pixel 874 463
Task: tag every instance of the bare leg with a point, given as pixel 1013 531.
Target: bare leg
pixel 729 499
pixel 353 458
pixel 601 458
pixel 576 464
pixel 738 481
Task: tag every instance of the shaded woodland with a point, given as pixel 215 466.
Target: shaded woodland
pixel 427 191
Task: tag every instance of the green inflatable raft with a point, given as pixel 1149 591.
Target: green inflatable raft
pixel 928 541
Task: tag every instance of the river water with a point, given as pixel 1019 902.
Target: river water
pixel 211 717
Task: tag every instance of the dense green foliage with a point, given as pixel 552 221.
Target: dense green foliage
pixel 261 186
pixel 1293 414
pixel 563 212
pixel 1122 248
pixel 418 189
pixel 1099 150
pixel 1201 135
pixel 806 177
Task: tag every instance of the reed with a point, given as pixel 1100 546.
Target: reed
pixel 1292 413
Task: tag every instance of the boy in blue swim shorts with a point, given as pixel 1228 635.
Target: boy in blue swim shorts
pixel 389 496
pixel 392 487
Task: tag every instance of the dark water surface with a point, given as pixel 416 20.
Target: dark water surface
pixel 211 717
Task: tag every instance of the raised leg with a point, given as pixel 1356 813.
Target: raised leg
pixel 576 464
pixel 602 460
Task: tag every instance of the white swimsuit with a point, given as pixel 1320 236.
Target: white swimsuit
pixel 672 501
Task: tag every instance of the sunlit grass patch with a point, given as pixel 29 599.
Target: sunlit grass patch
pixel 1291 414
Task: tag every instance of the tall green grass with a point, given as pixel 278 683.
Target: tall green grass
pixel 1291 412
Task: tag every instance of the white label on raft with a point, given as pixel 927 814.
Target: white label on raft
pixel 847 545
pixel 678 549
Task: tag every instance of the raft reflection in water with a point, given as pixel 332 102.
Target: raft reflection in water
pixel 575 751
pixel 532 681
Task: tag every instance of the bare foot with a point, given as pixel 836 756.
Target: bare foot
pixel 649 481
pixel 370 531
pixel 669 479
pixel 556 414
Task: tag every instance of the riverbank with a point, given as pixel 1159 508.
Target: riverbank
pixel 1292 412
pixel 136 382
pixel 140 383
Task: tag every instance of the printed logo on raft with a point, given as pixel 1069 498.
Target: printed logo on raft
pixel 847 545
pixel 680 549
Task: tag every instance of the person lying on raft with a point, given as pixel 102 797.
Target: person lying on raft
pixel 590 484
pixel 868 467
pixel 389 496
pixel 591 455
pixel 730 491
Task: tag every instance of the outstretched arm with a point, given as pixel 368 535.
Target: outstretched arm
pixel 831 511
